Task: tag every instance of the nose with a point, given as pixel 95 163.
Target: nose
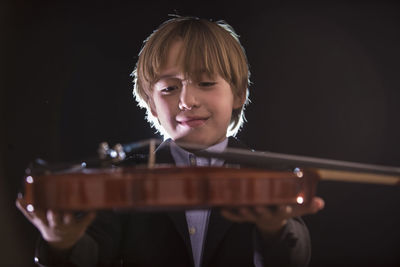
pixel 188 98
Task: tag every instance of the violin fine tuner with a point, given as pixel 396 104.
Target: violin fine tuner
pixel 115 154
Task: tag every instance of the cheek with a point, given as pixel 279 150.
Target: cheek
pixel 164 108
pixel 224 105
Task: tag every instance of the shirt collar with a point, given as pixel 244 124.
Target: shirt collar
pixel 182 157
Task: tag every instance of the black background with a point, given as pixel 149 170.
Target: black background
pixel 325 84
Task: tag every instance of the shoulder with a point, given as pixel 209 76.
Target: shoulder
pixel 234 142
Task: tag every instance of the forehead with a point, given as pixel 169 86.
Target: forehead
pixel 177 62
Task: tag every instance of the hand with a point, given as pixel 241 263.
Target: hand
pixel 60 229
pixel 270 221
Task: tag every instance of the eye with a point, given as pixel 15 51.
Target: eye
pixel 168 89
pixel 207 84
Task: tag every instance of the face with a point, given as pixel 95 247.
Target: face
pixel 197 112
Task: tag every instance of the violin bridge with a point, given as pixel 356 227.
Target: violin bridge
pixel 152 155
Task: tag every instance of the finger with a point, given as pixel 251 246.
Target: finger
pixel 313 207
pixel 54 218
pixel 243 214
pixel 232 216
pixel 279 212
pixel 31 214
pixel 264 211
pixel 40 215
pixel 248 214
pixel 68 218
pixel 285 211
pixel 21 205
pixel 317 204
pixel 271 221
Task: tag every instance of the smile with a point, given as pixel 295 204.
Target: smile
pixel 193 122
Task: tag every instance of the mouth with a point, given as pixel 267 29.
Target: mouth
pixel 192 122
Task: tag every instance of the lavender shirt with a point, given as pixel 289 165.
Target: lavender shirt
pixel 197 220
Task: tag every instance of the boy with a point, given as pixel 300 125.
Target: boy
pixel 192 77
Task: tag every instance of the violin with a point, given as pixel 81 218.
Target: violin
pixel 263 178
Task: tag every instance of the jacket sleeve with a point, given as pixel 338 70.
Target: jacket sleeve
pixel 291 248
pixel 99 245
pixel 84 253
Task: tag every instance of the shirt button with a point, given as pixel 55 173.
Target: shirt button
pixel 192 230
pixel 192 160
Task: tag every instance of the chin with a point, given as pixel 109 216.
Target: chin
pixel 198 139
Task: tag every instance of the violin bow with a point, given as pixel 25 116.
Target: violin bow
pixel 327 169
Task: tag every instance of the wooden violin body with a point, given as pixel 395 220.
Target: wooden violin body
pixel 168 188
pixel 155 187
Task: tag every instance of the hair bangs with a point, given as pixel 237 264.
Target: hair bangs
pixel 199 58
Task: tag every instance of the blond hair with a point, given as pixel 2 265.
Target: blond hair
pixel 212 47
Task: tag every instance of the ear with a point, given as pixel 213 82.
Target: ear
pixel 239 98
pixel 153 111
